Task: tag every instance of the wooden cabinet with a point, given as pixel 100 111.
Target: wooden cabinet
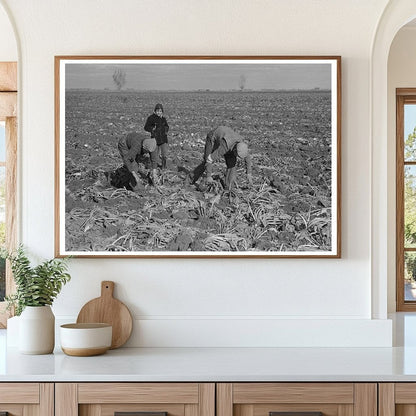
pixel 27 399
pixel 106 399
pixel 208 399
pixel 397 399
pixel 264 399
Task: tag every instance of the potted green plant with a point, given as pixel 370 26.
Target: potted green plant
pixel 36 289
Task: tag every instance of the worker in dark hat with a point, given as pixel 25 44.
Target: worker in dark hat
pixel 158 128
pixel 224 142
pixel 132 148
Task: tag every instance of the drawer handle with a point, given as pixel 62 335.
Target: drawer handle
pixel 139 414
pixel 295 413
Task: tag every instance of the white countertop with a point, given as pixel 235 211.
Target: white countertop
pixel 221 364
pixel 215 364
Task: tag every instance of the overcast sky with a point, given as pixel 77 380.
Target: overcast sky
pixel 212 76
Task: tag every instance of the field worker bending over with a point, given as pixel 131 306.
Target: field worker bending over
pixel 224 142
pixel 132 148
pixel 158 128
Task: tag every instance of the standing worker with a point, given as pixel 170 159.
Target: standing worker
pixel 224 142
pixel 157 126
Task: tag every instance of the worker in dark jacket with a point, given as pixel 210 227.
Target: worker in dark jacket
pixel 224 142
pixel 158 128
pixel 132 148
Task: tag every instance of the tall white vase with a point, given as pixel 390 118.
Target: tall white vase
pixel 37 330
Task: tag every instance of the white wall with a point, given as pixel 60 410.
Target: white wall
pixel 401 74
pixel 8 46
pixel 200 300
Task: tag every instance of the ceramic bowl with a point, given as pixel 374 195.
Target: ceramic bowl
pixel 84 340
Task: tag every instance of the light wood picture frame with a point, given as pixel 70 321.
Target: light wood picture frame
pixel 251 167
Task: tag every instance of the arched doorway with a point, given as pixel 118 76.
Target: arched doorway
pixel 395 16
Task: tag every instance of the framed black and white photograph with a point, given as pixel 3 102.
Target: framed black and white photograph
pixel 198 156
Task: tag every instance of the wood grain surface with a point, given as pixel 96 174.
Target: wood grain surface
pixel 252 393
pixel 111 311
pixel 22 393
pixel 365 399
pixel 386 399
pixel 170 393
pixel 66 399
pixel 8 76
pixel 8 105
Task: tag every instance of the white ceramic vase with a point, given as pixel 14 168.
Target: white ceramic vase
pixel 37 330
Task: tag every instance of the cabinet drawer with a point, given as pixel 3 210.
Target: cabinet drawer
pixel 138 393
pixel 19 393
pixel 21 399
pixel 148 399
pixel 303 399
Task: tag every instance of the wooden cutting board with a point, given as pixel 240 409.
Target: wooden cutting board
pixel 109 310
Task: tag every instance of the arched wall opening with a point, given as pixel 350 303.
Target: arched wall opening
pixel 401 74
pixel 396 15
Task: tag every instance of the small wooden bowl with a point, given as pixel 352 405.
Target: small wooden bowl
pixel 84 340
